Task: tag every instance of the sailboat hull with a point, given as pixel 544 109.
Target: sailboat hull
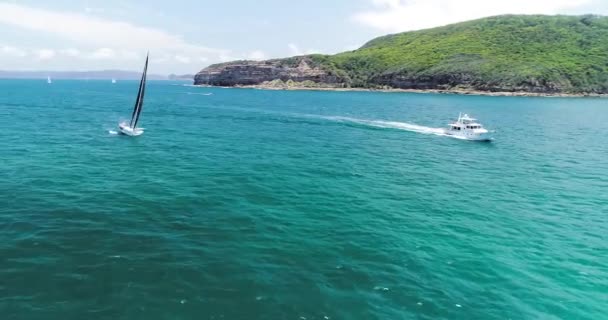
pixel 128 131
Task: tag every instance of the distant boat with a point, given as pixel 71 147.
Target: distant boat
pixel 131 129
pixel 113 80
pixel 48 80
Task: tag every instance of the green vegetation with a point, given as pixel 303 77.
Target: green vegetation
pixel 504 53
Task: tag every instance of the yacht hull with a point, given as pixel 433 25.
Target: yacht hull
pixel 128 131
pixel 469 137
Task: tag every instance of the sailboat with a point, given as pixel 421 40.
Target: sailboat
pixel 48 80
pixel 130 128
pixel 113 80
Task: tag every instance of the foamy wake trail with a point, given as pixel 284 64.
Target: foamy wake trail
pixel 391 125
pixel 112 132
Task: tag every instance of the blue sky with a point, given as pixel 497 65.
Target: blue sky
pixel 184 36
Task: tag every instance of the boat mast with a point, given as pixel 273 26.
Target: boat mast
pixel 140 96
pixel 143 91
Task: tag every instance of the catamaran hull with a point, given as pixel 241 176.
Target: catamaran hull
pixel 128 131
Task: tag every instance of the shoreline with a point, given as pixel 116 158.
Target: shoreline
pixel 423 91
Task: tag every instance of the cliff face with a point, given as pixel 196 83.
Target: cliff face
pixel 245 73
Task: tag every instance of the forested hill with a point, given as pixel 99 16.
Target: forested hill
pixel 545 54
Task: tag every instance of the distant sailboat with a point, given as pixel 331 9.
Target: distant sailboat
pixel 113 80
pixel 48 80
pixel 131 129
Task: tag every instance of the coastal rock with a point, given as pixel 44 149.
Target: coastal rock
pixel 249 73
pixel 467 81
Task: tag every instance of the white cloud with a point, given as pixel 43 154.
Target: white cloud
pixel 71 52
pixel 109 43
pixel 182 59
pixel 404 15
pixel 103 53
pixel 100 54
pixel 95 31
pixel 227 57
pixel 295 50
pixel 94 10
pixel 130 55
pixel 12 51
pixel 45 54
pixel 159 58
pixel 256 55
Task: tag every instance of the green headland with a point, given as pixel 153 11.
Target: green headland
pixel 513 53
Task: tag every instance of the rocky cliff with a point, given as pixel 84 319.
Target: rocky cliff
pixel 247 73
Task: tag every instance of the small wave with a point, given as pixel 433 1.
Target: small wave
pixel 391 125
pixel 200 94
pixel 112 132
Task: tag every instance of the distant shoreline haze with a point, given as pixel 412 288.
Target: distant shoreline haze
pixel 88 75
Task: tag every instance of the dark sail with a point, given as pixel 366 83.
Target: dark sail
pixel 139 103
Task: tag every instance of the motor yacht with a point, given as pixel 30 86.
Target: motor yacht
pixel 468 128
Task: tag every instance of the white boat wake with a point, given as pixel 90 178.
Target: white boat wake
pixel 112 132
pixel 391 125
pixel 200 94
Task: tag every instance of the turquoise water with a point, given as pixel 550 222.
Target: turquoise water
pixel 250 204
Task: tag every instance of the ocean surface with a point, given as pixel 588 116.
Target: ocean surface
pixel 251 204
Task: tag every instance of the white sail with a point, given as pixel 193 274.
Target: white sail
pixel 48 80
